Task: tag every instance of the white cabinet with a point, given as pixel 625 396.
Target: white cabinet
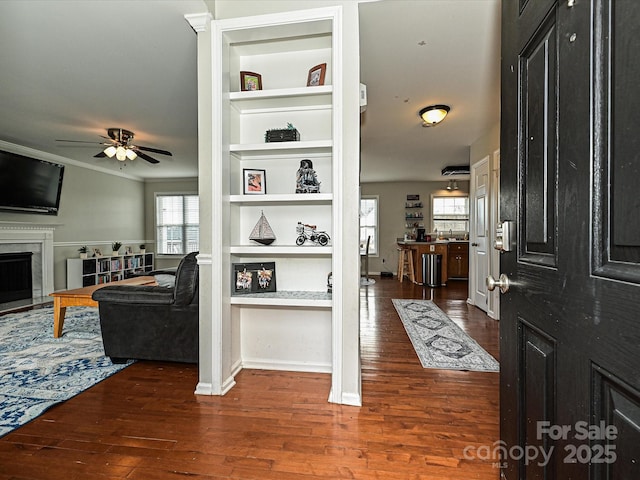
pixel 291 328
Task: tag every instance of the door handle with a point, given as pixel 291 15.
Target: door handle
pixel 502 283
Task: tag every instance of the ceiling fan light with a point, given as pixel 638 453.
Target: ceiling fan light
pixel 131 155
pixel 121 153
pixel 433 114
pixel 110 151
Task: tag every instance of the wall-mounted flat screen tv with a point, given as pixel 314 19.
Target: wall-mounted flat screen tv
pixel 29 185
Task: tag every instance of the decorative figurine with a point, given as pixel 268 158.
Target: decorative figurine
pixel 309 232
pixel 306 178
pixel 262 232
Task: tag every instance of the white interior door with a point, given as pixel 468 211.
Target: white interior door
pixel 478 234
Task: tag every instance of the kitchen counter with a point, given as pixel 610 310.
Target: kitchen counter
pixel 439 247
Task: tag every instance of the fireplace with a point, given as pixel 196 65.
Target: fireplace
pixel 16 282
pixel 37 241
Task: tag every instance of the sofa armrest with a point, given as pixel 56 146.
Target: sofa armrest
pixel 134 294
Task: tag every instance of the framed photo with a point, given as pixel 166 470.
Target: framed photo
pixel 253 278
pixel 254 181
pixel 250 81
pixel 316 75
pixel 97 252
pixel 128 250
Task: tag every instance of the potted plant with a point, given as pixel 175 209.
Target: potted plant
pixel 142 248
pixel 115 246
pixel 83 251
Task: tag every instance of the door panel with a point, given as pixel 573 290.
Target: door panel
pixel 538 129
pixel 617 248
pixel 479 233
pixel 570 334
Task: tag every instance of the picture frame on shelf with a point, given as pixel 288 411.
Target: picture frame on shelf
pixel 97 252
pixel 250 81
pixel 316 75
pixel 254 181
pixel 128 251
pixel 253 278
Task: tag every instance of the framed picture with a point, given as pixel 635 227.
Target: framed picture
pixel 128 250
pixel 253 278
pixel 97 252
pixel 250 81
pixel 254 181
pixel 316 75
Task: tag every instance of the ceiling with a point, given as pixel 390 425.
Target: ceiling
pixel 71 69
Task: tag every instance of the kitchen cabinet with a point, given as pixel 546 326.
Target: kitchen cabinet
pixel 458 260
pixel 420 248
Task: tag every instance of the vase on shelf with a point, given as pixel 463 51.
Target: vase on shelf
pixel 83 255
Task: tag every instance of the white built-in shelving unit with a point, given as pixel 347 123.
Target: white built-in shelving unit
pixel 292 328
pixel 300 326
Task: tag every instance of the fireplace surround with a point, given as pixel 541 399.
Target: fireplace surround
pixel 19 237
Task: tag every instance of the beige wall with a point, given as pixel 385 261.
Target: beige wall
pixel 151 187
pixel 392 197
pixel 95 209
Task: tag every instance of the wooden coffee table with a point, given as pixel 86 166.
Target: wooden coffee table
pixel 81 297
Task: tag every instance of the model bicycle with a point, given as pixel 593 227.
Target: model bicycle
pixel 309 232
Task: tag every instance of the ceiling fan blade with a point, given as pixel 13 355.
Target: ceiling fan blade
pixel 147 157
pixel 100 155
pixel 81 141
pixel 154 150
pixel 113 133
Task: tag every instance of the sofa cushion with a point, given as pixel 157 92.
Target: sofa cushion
pixel 186 280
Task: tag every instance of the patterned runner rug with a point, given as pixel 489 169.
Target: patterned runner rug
pixel 438 341
pixel 38 371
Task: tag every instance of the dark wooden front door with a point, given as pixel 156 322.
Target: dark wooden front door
pixel 570 166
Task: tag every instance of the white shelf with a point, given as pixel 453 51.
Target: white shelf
pixel 282 98
pixel 271 250
pixel 303 299
pixel 287 198
pixel 269 150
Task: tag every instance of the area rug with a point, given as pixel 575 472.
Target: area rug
pixel 38 371
pixel 438 341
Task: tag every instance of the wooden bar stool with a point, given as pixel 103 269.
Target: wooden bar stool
pixel 405 264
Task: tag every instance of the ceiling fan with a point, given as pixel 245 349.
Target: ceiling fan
pixel 120 144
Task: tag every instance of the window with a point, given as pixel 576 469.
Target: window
pixel 369 224
pixel 450 213
pixel 177 224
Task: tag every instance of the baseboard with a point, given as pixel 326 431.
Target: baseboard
pixel 267 364
pixel 204 389
pixel 352 399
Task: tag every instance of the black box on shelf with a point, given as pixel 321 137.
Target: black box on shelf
pixel 282 135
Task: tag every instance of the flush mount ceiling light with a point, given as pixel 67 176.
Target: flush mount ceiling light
pixel 433 114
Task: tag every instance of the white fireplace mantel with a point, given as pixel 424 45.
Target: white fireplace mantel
pixel 16 233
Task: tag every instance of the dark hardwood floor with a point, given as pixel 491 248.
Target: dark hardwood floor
pixel 146 423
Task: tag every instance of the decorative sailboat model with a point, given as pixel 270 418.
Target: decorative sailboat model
pixel 262 232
